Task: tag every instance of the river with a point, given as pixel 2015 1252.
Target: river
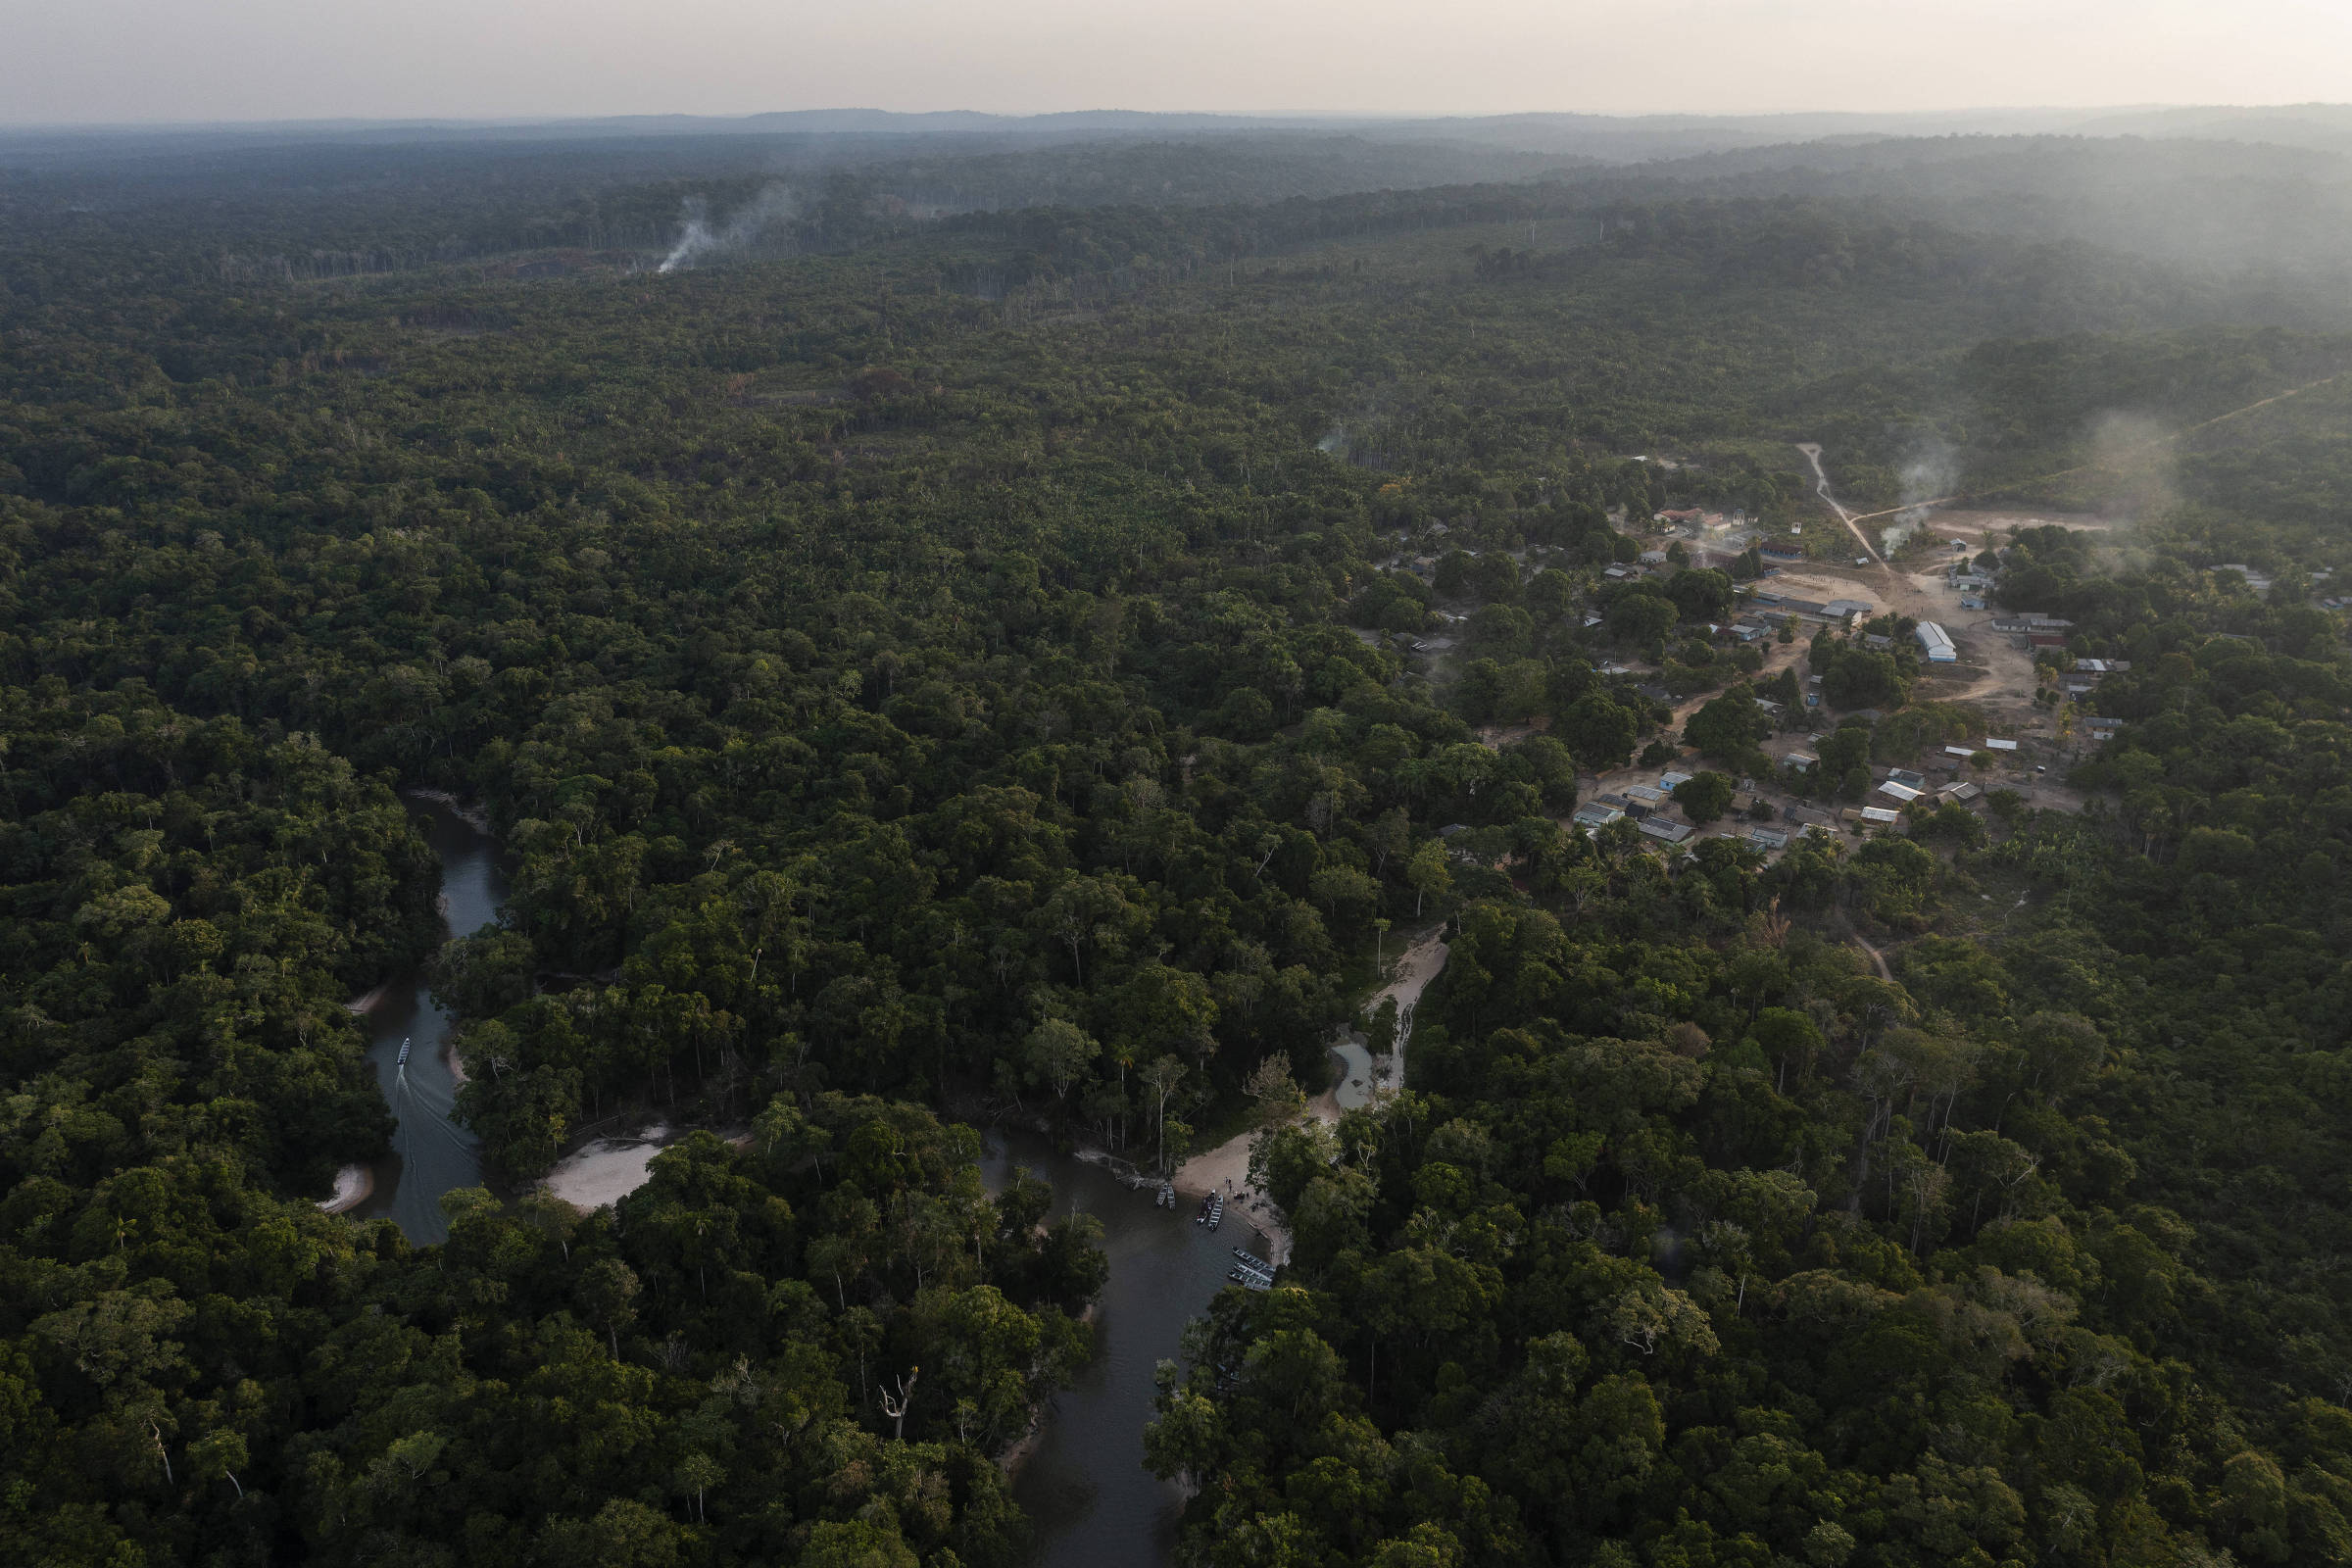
pixel 431 1153
pixel 1084 1486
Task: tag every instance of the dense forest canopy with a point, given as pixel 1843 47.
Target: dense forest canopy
pixel 926 666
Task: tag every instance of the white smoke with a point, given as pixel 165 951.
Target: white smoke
pixel 2135 463
pixel 1930 473
pixel 700 239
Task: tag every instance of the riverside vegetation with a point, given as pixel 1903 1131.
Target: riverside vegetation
pixel 942 673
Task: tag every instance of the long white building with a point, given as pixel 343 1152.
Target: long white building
pixel 1936 644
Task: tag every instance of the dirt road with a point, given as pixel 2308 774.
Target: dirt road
pixel 1821 489
pixel 1226 1168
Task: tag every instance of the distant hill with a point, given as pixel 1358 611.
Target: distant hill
pixel 1614 138
pixel 2238 207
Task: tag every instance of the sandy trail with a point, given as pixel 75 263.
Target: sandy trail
pixel 1419 964
pixel 1226 1168
pixel 1777 658
pixel 1821 489
pixel 1875 957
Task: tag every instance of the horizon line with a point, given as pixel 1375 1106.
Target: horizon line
pixel 1297 116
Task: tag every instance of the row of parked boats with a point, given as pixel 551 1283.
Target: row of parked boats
pixel 1210 1214
pixel 1252 1272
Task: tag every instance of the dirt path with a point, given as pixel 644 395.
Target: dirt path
pixel 1777 658
pixel 1875 957
pixel 1821 489
pixel 1226 1168
pixel 2005 674
pixel 1420 963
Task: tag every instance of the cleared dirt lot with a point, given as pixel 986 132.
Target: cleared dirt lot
pixel 1995 671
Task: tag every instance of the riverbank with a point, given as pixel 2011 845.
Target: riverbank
pixel 354 1185
pixel 409 1037
pixel 1025 1446
pixel 606 1170
pixel 1079 1473
pixel 477 818
pixel 1226 1168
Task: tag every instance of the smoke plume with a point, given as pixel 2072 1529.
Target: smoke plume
pixel 1933 470
pixel 701 239
pixel 2134 460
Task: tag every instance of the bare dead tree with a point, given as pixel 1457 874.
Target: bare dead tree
pixel 896 1409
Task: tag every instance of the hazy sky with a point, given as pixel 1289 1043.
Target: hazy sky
pixel 83 61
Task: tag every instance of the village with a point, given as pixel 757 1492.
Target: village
pixel 2012 713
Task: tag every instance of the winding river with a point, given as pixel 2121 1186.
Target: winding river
pixel 1083 1483
pixel 431 1153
